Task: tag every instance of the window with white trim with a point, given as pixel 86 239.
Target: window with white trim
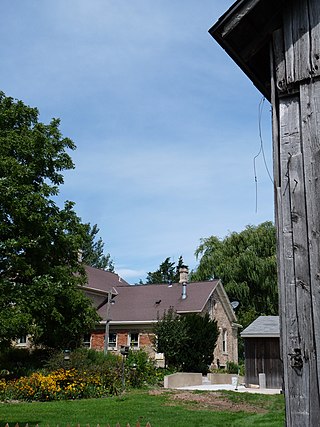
pixel 134 340
pixel 22 340
pixel 86 341
pixel 112 341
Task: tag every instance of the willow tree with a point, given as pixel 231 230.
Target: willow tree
pixel 246 264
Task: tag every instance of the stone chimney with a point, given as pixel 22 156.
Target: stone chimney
pixel 183 270
pixel 80 256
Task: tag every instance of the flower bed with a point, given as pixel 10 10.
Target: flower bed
pixel 58 385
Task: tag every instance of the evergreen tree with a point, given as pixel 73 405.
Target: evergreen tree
pixel 167 272
pixel 188 342
pixel 93 253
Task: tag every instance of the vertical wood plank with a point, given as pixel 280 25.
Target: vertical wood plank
pixel 288 313
pixel 314 13
pixel 288 43
pixel 301 37
pixel 296 299
pixel 282 301
pixel 279 61
pixel 310 115
pixel 297 40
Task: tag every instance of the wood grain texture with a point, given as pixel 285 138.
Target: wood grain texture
pixel 301 42
pixel 310 122
pixel 296 138
pixel 298 209
pixel 314 14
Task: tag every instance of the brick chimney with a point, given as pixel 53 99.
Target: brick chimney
pixel 183 271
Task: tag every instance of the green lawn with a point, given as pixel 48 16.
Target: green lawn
pixel 161 410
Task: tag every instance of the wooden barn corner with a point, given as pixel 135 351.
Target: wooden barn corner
pixel 277 44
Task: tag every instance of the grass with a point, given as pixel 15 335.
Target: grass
pixel 161 410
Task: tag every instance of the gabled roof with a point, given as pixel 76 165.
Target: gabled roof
pixel 147 303
pixel 263 326
pixel 102 280
pixel 244 31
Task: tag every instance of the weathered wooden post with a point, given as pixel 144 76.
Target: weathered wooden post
pixel 277 44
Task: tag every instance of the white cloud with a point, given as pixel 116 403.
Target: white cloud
pixel 165 123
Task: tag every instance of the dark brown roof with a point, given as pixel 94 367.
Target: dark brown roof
pixel 103 280
pixel 244 31
pixel 145 303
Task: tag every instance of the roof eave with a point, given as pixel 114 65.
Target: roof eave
pixel 275 335
pixel 240 19
pixel 224 299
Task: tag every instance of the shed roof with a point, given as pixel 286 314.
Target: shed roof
pixel 263 326
pixel 244 31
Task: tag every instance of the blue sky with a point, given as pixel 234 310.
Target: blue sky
pixel 166 125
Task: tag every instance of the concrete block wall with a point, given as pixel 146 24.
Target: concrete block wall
pixel 182 379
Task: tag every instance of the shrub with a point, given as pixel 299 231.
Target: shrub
pixel 18 362
pixel 80 358
pixel 234 368
pixel 140 369
pixel 87 373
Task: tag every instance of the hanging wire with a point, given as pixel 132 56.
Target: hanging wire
pixel 261 151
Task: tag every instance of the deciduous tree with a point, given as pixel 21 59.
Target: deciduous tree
pixel 188 341
pixel 39 270
pixel 246 264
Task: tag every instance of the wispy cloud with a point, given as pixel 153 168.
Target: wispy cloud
pixel 165 123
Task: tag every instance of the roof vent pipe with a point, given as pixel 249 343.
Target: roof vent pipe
pixel 183 270
pixel 184 291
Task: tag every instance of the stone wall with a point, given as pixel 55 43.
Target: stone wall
pixel 229 351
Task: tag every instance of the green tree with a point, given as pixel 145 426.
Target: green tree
pixel 93 253
pixel 171 338
pixel 167 272
pixel 246 264
pixel 203 333
pixel 39 270
pixel 188 342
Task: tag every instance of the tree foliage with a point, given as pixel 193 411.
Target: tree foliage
pixel 246 264
pixel 39 270
pixel 93 253
pixel 188 341
pixel 171 338
pixel 167 272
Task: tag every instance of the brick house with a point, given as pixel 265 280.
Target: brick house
pixel 137 308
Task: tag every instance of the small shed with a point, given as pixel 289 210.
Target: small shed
pixel 262 352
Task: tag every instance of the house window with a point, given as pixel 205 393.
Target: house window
pixel 134 340
pixel 224 341
pixel 112 341
pixel 87 341
pixel 22 340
